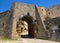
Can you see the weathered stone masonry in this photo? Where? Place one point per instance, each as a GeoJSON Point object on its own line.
{"type": "Point", "coordinates": [33, 15]}
{"type": "Point", "coordinates": [19, 10]}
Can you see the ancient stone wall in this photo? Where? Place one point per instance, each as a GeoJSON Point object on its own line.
{"type": "Point", "coordinates": [53, 14]}
{"type": "Point", "coordinates": [9, 19]}
{"type": "Point", "coordinates": [42, 12]}
{"type": "Point", "coordinates": [53, 11]}
{"type": "Point", "coordinates": [20, 10]}
{"type": "Point", "coordinates": [5, 25]}
{"type": "Point", "coordinates": [42, 33]}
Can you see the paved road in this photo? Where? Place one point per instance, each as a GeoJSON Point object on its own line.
{"type": "Point", "coordinates": [28, 41]}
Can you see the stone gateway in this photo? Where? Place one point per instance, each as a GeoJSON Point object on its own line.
{"type": "Point", "coordinates": [12, 21]}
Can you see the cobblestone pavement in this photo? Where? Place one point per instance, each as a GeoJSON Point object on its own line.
{"type": "Point", "coordinates": [28, 41]}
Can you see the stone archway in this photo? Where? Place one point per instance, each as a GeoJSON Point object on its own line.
{"type": "Point", "coordinates": [29, 20]}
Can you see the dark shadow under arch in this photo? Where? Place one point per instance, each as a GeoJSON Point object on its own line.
{"type": "Point", "coordinates": [29, 20]}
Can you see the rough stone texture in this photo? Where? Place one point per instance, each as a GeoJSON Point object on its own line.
{"type": "Point", "coordinates": [42, 33]}
{"type": "Point", "coordinates": [53, 11]}
{"type": "Point", "coordinates": [20, 10]}
{"type": "Point", "coordinates": [37, 16]}
{"type": "Point", "coordinates": [5, 24]}
{"type": "Point", "coordinates": [9, 19]}
{"type": "Point", "coordinates": [42, 12]}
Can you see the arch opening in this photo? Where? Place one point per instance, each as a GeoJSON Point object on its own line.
{"type": "Point", "coordinates": [29, 20]}
{"type": "Point", "coordinates": [26, 21]}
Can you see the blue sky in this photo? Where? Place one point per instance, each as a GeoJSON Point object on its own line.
{"type": "Point", "coordinates": [6, 4]}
